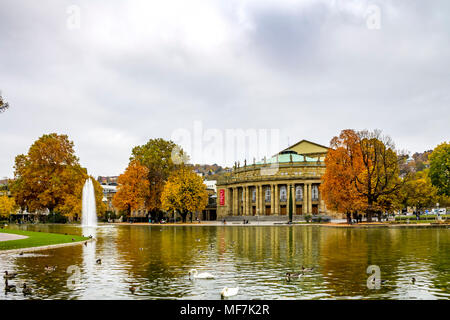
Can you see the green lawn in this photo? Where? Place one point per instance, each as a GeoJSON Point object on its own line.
{"type": "Point", "coordinates": [36, 239]}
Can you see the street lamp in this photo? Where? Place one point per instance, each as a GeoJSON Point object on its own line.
{"type": "Point", "coordinates": [290, 204]}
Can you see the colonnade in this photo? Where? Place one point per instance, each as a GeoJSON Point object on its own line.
{"type": "Point", "coordinates": [270, 199]}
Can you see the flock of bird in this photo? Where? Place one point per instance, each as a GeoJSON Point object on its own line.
{"type": "Point", "coordinates": [297, 275]}
{"type": "Point", "coordinates": [226, 292]}
{"type": "Point", "coordinates": [12, 288]}
{"type": "Point", "coordinates": [193, 274]}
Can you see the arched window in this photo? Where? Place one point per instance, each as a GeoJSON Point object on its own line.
{"type": "Point", "coordinates": [315, 193]}
{"type": "Point", "coordinates": [283, 194]}
{"type": "Point", "coordinates": [299, 193]}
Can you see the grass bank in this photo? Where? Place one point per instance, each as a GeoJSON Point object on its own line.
{"type": "Point", "coordinates": [36, 239]}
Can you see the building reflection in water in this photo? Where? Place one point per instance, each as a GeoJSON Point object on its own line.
{"type": "Point", "coordinates": [157, 259]}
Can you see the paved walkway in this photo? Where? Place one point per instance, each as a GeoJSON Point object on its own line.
{"type": "Point", "coordinates": [9, 236]}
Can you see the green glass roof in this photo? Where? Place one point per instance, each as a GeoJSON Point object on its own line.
{"type": "Point", "coordinates": [286, 158]}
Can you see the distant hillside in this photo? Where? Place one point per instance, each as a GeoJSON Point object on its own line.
{"type": "Point", "coordinates": [417, 162]}
{"type": "Point", "coordinates": [209, 171]}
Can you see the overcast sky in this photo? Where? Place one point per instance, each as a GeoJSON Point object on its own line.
{"type": "Point", "coordinates": [135, 70]}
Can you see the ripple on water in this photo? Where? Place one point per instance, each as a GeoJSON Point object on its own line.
{"type": "Point", "coordinates": [253, 258]}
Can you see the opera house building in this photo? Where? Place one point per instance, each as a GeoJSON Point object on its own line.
{"type": "Point", "coordinates": [262, 188]}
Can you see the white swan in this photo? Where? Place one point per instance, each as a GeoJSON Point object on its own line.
{"type": "Point", "coordinates": [203, 275]}
{"type": "Point", "coordinates": [228, 292]}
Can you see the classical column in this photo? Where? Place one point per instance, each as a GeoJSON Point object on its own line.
{"type": "Point", "coordinates": [240, 201]}
{"type": "Point", "coordinates": [244, 196]}
{"type": "Point", "coordinates": [262, 202]}
{"type": "Point", "coordinates": [294, 200]}
{"type": "Point", "coordinates": [272, 199]}
{"type": "Point", "coordinates": [287, 198]}
{"type": "Point", "coordinates": [260, 206]}
{"type": "Point", "coordinates": [277, 200]}
{"type": "Point", "coordinates": [305, 199]}
{"type": "Point", "coordinates": [232, 201]}
{"type": "Point", "coordinates": [235, 198]}
{"type": "Point", "coordinates": [257, 199]}
{"type": "Point", "coordinates": [247, 201]}
{"type": "Point", "coordinates": [309, 197]}
{"type": "Point", "coordinates": [244, 200]}
{"type": "Point", "coordinates": [229, 201]}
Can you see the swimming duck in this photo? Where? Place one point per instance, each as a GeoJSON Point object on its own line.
{"type": "Point", "coordinates": [413, 280]}
{"type": "Point", "coordinates": [9, 287]}
{"type": "Point", "coordinates": [307, 269]}
{"type": "Point", "coordinates": [203, 275]}
{"type": "Point", "coordinates": [228, 292]}
{"type": "Point", "coordinates": [26, 290]}
{"type": "Point", "coordinates": [293, 275]}
{"type": "Point", "coordinates": [382, 281]}
{"type": "Point", "coordinates": [9, 275]}
{"type": "Point", "coordinates": [133, 289]}
{"type": "Point", "coordinates": [98, 261]}
{"type": "Point", "coordinates": [49, 268]}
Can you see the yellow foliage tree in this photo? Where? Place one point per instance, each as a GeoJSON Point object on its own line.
{"type": "Point", "coordinates": [419, 191]}
{"type": "Point", "coordinates": [132, 189]}
{"type": "Point", "coordinates": [184, 192]}
{"type": "Point", "coordinates": [7, 206]}
{"type": "Point", "coordinates": [72, 206]}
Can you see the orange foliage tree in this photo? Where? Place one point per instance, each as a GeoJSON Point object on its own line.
{"type": "Point", "coordinates": [362, 173]}
{"type": "Point", "coordinates": [132, 189]}
{"type": "Point", "coordinates": [50, 177]}
{"type": "Point", "coordinates": [184, 192]}
{"type": "Point", "coordinates": [338, 188]}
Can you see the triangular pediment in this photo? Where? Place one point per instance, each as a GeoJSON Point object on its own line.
{"type": "Point", "coordinates": [307, 147]}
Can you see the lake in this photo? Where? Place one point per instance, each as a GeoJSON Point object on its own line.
{"type": "Point", "coordinates": [156, 259]}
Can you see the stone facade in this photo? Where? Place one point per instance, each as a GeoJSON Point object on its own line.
{"type": "Point", "coordinates": [262, 188]}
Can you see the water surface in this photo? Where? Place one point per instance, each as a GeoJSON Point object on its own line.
{"type": "Point", "coordinates": [156, 259]}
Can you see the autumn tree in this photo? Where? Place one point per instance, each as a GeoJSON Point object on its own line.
{"type": "Point", "coordinates": [440, 168]}
{"type": "Point", "coordinates": [7, 206]}
{"type": "Point", "coordinates": [133, 188]}
{"type": "Point", "coordinates": [72, 206]}
{"type": "Point", "coordinates": [419, 191]}
{"type": "Point", "coordinates": [161, 158]}
{"type": "Point", "coordinates": [379, 177]}
{"type": "Point", "coordinates": [50, 177]}
{"type": "Point", "coordinates": [184, 192]}
{"type": "Point", "coordinates": [3, 104]}
{"type": "Point", "coordinates": [367, 165]}
{"type": "Point", "coordinates": [338, 188]}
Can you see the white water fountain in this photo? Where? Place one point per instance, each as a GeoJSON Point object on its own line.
{"type": "Point", "coordinates": [89, 211]}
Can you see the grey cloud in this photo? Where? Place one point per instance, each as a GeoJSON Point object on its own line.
{"type": "Point", "coordinates": [309, 69]}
